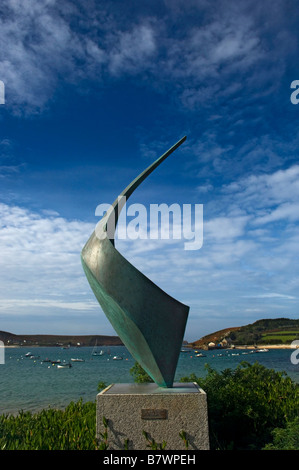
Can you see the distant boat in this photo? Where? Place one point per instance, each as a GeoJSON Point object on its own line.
{"type": "Point", "coordinates": [200, 355]}
{"type": "Point", "coordinates": [98, 353]}
{"type": "Point", "coordinates": [64, 366]}
{"type": "Point", "coordinates": [262, 350]}
{"type": "Point", "coordinates": [29, 354]}
{"type": "Point", "coordinates": [52, 362]}
{"type": "Point", "coordinates": [95, 352]}
{"type": "Point", "coordinates": [117, 358]}
{"type": "Point", "coordinates": [77, 360]}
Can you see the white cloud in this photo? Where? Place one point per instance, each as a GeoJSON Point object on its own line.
{"type": "Point", "coordinates": [40, 258]}
{"type": "Point", "coordinates": [19, 304]}
{"type": "Point", "coordinates": [273, 295]}
{"type": "Point", "coordinates": [49, 43]}
{"type": "Point", "coordinates": [221, 228]}
{"type": "Point", "coordinates": [132, 50]}
{"type": "Point", "coordinates": [205, 188]}
{"type": "Point", "coordinates": [44, 45]}
{"type": "Point", "coordinates": [259, 192]}
{"type": "Point", "coordinates": [289, 211]}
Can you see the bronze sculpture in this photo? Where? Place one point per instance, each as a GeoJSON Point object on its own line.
{"type": "Point", "coordinates": [150, 323]}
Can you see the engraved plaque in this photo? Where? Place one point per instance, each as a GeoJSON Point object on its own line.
{"type": "Point", "coordinates": [154, 414]}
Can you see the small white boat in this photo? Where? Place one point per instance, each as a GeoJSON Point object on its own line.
{"type": "Point", "coordinates": [77, 359]}
{"type": "Point", "coordinates": [29, 354]}
{"type": "Point", "coordinates": [117, 358]}
{"type": "Point", "coordinates": [262, 350]}
{"type": "Point", "coordinates": [200, 355]}
{"type": "Point", "coordinates": [98, 353]}
{"type": "Point", "coordinates": [95, 352]}
{"type": "Point", "coordinates": [64, 366]}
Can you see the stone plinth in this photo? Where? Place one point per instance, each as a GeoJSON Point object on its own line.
{"type": "Point", "coordinates": [162, 413]}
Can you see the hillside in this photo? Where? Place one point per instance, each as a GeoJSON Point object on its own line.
{"type": "Point", "coordinates": [266, 331]}
{"type": "Point", "coordinates": [217, 337]}
{"type": "Point", "coordinates": [11, 339]}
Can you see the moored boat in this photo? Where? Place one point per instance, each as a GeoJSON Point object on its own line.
{"type": "Point", "coordinates": [64, 366]}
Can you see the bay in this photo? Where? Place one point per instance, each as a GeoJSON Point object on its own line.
{"type": "Point", "coordinates": [29, 384]}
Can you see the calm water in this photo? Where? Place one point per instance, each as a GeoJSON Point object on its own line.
{"type": "Point", "coordinates": [30, 384]}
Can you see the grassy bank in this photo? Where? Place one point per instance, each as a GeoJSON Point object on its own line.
{"type": "Point", "coordinates": [71, 429]}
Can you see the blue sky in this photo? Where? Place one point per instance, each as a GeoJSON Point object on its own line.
{"type": "Point", "coordinates": [94, 92]}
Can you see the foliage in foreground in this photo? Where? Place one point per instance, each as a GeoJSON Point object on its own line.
{"type": "Point", "coordinates": [248, 408]}
{"type": "Point", "coordinates": [246, 404]}
{"type": "Point", "coordinates": [139, 374]}
{"type": "Point", "coordinates": [287, 438]}
{"type": "Point", "coordinates": [71, 429]}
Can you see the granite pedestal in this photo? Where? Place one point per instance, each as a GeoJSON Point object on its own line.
{"type": "Point", "coordinates": [162, 413]}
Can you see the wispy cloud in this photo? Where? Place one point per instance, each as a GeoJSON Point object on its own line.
{"type": "Point", "coordinates": [9, 166]}
{"type": "Point", "coordinates": [270, 198]}
{"type": "Point", "coordinates": [272, 295]}
{"type": "Point", "coordinates": [132, 50]}
{"type": "Point", "coordinates": [41, 260]}
{"type": "Point", "coordinates": [49, 43]}
{"type": "Point", "coordinates": [41, 304]}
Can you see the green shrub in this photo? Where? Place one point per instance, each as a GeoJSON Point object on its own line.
{"type": "Point", "coordinates": [246, 404]}
{"type": "Point", "coordinates": [139, 374]}
{"type": "Point", "coordinates": [285, 438]}
{"type": "Point", "coordinates": [101, 386]}
{"type": "Point", "coordinates": [71, 429]}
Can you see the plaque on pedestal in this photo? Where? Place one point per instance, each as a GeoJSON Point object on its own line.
{"type": "Point", "coordinates": [131, 410]}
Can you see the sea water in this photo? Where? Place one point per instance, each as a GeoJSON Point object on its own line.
{"type": "Point", "coordinates": [29, 384]}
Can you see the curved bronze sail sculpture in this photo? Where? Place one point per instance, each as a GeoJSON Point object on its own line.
{"type": "Point", "coordinates": [150, 323]}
